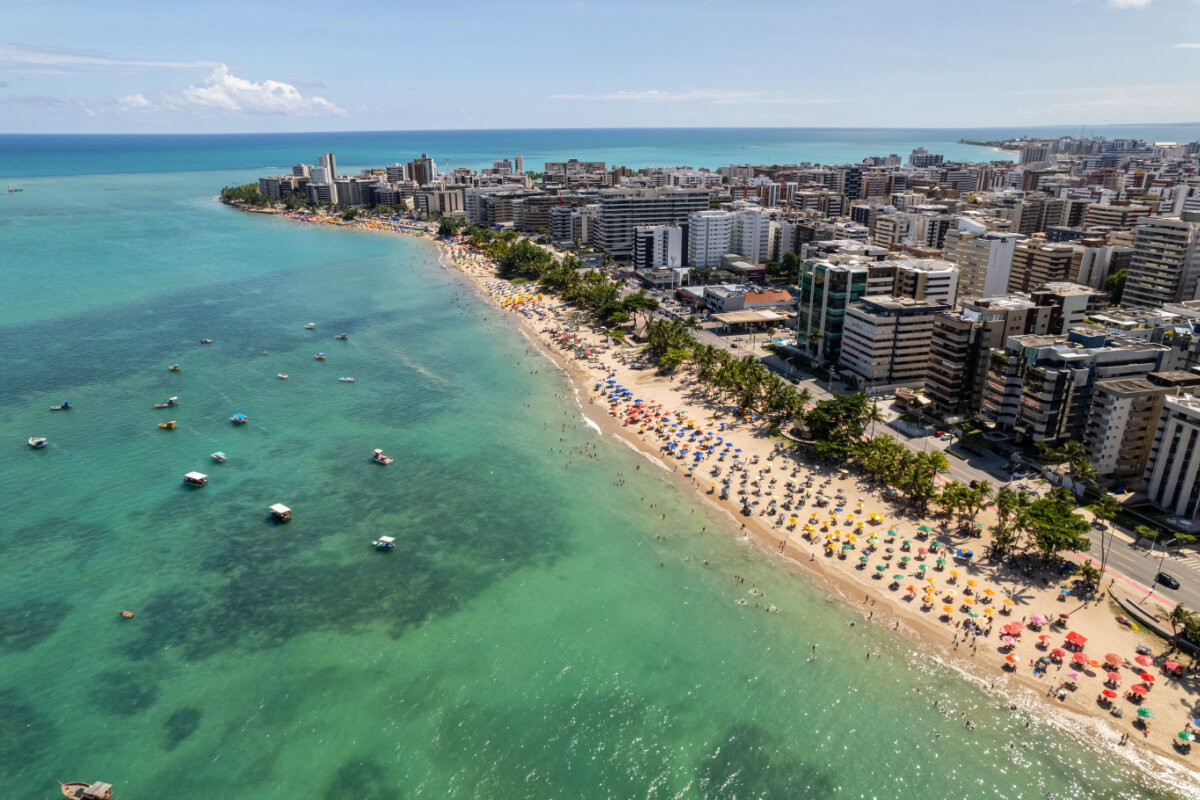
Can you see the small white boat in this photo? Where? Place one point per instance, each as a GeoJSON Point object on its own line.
{"type": "Point", "coordinates": [379, 458]}
{"type": "Point", "coordinates": [343, 337]}
{"type": "Point", "coordinates": [219, 457]}
{"type": "Point", "coordinates": [384, 543]}
{"type": "Point", "coordinates": [281, 512]}
{"type": "Point", "coordinates": [38, 442]}
{"type": "Point", "coordinates": [310, 326]}
{"type": "Point", "coordinates": [282, 376]}
{"type": "Point", "coordinates": [239, 419]}
{"type": "Point", "coordinates": [195, 479]}
{"type": "Point", "coordinates": [346, 380]}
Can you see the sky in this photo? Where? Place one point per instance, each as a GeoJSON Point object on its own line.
{"type": "Point", "coordinates": [101, 66]}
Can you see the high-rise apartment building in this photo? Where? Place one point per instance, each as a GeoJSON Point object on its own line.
{"type": "Point", "coordinates": [984, 259]}
{"type": "Point", "coordinates": [750, 236]}
{"type": "Point", "coordinates": [423, 170]}
{"type": "Point", "coordinates": [1034, 153]}
{"type": "Point", "coordinates": [1036, 262]}
{"type": "Point", "coordinates": [1165, 263]}
{"type": "Point", "coordinates": [622, 210]}
{"type": "Point", "coordinates": [885, 340]}
{"type": "Point", "coordinates": [710, 234]}
{"type": "Point", "coordinates": [658, 247]}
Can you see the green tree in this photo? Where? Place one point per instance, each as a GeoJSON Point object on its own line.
{"type": "Point", "coordinates": [1115, 286]}
{"type": "Point", "coordinates": [1054, 527]}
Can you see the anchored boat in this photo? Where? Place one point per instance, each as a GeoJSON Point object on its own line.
{"type": "Point", "coordinates": [219, 457]}
{"type": "Point", "coordinates": [195, 479]}
{"type": "Point", "coordinates": [63, 406]}
{"type": "Point", "coordinates": [173, 368]}
{"type": "Point", "coordinates": [78, 790]}
{"type": "Point", "coordinates": [171, 401]}
{"type": "Point", "coordinates": [346, 380]}
{"type": "Point", "coordinates": [281, 513]}
{"type": "Point", "coordinates": [206, 341]}
{"type": "Point", "coordinates": [379, 458]}
{"type": "Point", "coordinates": [38, 442]}
{"type": "Point", "coordinates": [319, 356]}
{"type": "Point", "coordinates": [282, 376]}
{"type": "Point", "coordinates": [384, 543]}
{"type": "Point", "coordinates": [342, 336]}
{"type": "Point", "coordinates": [239, 419]}
{"type": "Point", "coordinates": [169, 425]}
{"type": "Point", "coordinates": [310, 326]}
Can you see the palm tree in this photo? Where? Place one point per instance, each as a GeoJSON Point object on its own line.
{"type": "Point", "coordinates": [1179, 618]}
{"type": "Point", "coordinates": [979, 498]}
{"type": "Point", "coordinates": [872, 414]}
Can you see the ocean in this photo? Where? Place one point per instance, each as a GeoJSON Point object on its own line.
{"type": "Point", "coordinates": [540, 631]}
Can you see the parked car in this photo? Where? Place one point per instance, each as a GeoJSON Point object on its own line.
{"type": "Point", "coordinates": [1166, 580]}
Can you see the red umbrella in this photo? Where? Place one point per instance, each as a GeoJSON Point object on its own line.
{"type": "Point", "coordinates": [1076, 639]}
{"type": "Point", "coordinates": [1147, 677]}
{"type": "Point", "coordinates": [1145, 661]}
{"type": "Point", "coordinates": [1013, 628]}
{"type": "Point", "coordinates": [1058, 653]}
{"type": "Point", "coordinates": [1115, 677]}
{"type": "Point", "coordinates": [1114, 659]}
{"type": "Point", "coordinates": [1109, 693]}
{"type": "Point", "coordinates": [1010, 658]}
{"type": "Point", "coordinates": [1172, 666]}
{"type": "Point", "coordinates": [1019, 626]}
{"type": "Point", "coordinates": [1079, 658]}
{"type": "Point", "coordinates": [1138, 689]}
{"type": "Point", "coordinates": [1045, 637]}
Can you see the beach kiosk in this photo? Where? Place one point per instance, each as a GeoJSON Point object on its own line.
{"type": "Point", "coordinates": [281, 513]}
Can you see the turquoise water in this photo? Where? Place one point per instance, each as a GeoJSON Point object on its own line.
{"type": "Point", "coordinates": [23, 155]}
{"type": "Point", "coordinates": [540, 631]}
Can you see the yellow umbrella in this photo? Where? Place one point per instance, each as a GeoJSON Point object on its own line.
{"type": "Point", "coordinates": [988, 592]}
{"type": "Point", "coordinates": [989, 611]}
{"type": "Point", "coordinates": [849, 516]}
{"type": "Point", "coordinates": [931, 580]}
{"type": "Point", "coordinates": [972, 582]}
{"type": "Point", "coordinates": [953, 573]}
{"type": "Point", "coordinates": [859, 523]}
{"type": "Point", "coordinates": [1007, 602]}
{"type": "Point", "coordinates": [967, 601]}
{"type": "Point", "coordinates": [850, 537]}
{"type": "Point", "coordinates": [948, 609]}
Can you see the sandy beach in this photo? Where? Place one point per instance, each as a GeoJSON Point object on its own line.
{"type": "Point", "coordinates": [867, 553]}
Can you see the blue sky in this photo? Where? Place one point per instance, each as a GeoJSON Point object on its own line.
{"type": "Point", "coordinates": [219, 66]}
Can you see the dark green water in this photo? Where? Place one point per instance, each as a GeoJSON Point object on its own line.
{"type": "Point", "coordinates": [531, 637]}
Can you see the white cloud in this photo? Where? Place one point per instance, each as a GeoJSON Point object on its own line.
{"type": "Point", "coordinates": [1129, 3]}
{"type": "Point", "coordinates": [1188, 46]}
{"type": "Point", "coordinates": [133, 102]}
{"type": "Point", "coordinates": [224, 91]}
{"type": "Point", "coordinates": [27, 58]}
{"type": "Point", "coordinates": [713, 96]}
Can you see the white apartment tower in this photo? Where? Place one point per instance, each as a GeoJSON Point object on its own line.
{"type": "Point", "coordinates": [1165, 263]}
{"type": "Point", "coordinates": [709, 236]}
{"type": "Point", "coordinates": [984, 259]}
{"type": "Point", "coordinates": [751, 234]}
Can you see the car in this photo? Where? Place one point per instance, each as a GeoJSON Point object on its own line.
{"type": "Point", "coordinates": [1166, 580]}
{"type": "Point", "coordinates": [946, 436]}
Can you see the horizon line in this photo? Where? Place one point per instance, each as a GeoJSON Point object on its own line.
{"type": "Point", "coordinates": [614, 128]}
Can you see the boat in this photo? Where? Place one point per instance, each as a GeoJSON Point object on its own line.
{"type": "Point", "coordinates": [219, 457]}
{"type": "Point", "coordinates": [281, 513]}
{"type": "Point", "coordinates": [282, 376]}
{"type": "Point", "coordinates": [195, 479]}
{"type": "Point", "coordinates": [126, 614]}
{"type": "Point", "coordinates": [342, 336]}
{"type": "Point", "coordinates": [346, 380]}
{"type": "Point", "coordinates": [169, 425]}
{"type": "Point", "coordinates": [173, 368]}
{"type": "Point", "coordinates": [206, 341]}
{"type": "Point", "coordinates": [63, 406]}
{"type": "Point", "coordinates": [171, 401]}
{"type": "Point", "coordinates": [11, 190]}
{"type": "Point", "coordinates": [379, 458]}
{"type": "Point", "coordinates": [319, 356]}
{"type": "Point", "coordinates": [384, 543]}
{"type": "Point", "coordinates": [38, 442]}
{"type": "Point", "coordinates": [239, 419]}
{"type": "Point", "coordinates": [78, 790]}
{"type": "Point", "coordinates": [310, 326]}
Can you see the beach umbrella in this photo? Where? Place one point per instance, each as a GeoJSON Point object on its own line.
{"type": "Point", "coordinates": [1075, 639]}
{"type": "Point", "coordinates": [906, 559]}
{"type": "Point", "coordinates": [1146, 677]}
{"type": "Point", "coordinates": [906, 543]}
{"type": "Point", "coordinates": [1058, 652]}
{"type": "Point", "coordinates": [1109, 693]}
{"type": "Point", "coordinates": [1045, 637]}
{"type": "Point", "coordinates": [1145, 713]}
{"type": "Point", "coordinates": [1138, 689]}
{"type": "Point", "coordinates": [1186, 736]}
{"type": "Point", "coordinates": [924, 529]}
{"type": "Point", "coordinates": [1079, 658]}
{"type": "Point", "coordinates": [989, 592]}
{"type": "Point", "coordinates": [1037, 619]}
{"type": "Point", "coordinates": [878, 567]}
{"type": "Point", "coordinates": [898, 578]}
{"type": "Point", "coordinates": [948, 609]}
{"type": "Point", "coordinates": [1008, 640]}
{"type": "Point", "coordinates": [972, 615]}
{"type": "Point", "coordinates": [941, 562]}
{"type": "Point", "coordinates": [1073, 675]}
{"type": "Point", "coordinates": [910, 589]}
{"type": "Point", "coordinates": [989, 611]}
{"type": "Point", "coordinates": [953, 573]}
{"type": "Point", "coordinates": [1045, 660]}
{"type": "Point", "coordinates": [865, 559]}
{"type": "Point", "coordinates": [1114, 677]}
{"type": "Point", "coordinates": [1006, 601]}
{"type": "Point", "coordinates": [1171, 666]}
{"type": "Point", "coordinates": [972, 582]}
{"type": "Point", "coordinates": [1145, 661]}
{"type": "Point", "coordinates": [1011, 658]}
{"type": "Point", "coordinates": [923, 567]}
{"type": "Point", "coordinates": [931, 580]}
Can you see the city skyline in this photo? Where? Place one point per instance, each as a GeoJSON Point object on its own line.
{"type": "Point", "coordinates": [221, 67]}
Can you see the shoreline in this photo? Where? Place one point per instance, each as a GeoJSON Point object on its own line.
{"type": "Point", "coordinates": [840, 582]}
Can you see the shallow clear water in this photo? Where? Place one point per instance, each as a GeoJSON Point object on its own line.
{"type": "Point", "coordinates": [533, 636]}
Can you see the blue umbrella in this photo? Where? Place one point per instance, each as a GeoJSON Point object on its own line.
{"type": "Point", "coordinates": [738, 450]}
{"type": "Point", "coordinates": [838, 510]}
{"type": "Point", "coordinates": [1196, 722]}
